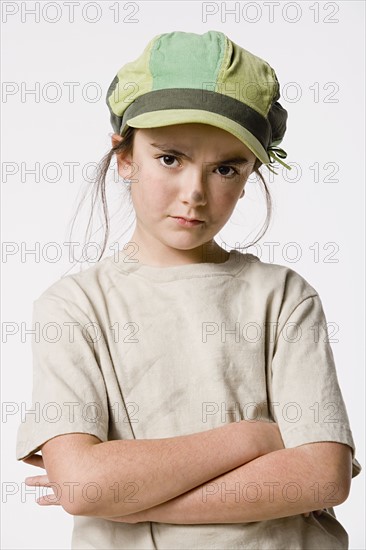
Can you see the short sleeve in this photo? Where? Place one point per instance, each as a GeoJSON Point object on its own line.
{"type": "Point", "coordinates": [69, 393]}
{"type": "Point", "coordinates": [307, 401]}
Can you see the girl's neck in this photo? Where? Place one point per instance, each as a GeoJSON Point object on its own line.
{"type": "Point", "coordinates": [164, 256]}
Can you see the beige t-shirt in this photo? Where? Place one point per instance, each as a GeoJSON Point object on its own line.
{"type": "Point", "coordinates": [126, 350]}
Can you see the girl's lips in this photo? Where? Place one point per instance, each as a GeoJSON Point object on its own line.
{"type": "Point", "coordinates": [187, 223]}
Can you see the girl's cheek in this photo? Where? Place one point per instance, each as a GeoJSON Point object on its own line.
{"type": "Point", "coordinates": [225, 198]}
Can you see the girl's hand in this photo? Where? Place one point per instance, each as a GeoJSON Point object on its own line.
{"type": "Point", "coordinates": [317, 512]}
{"type": "Point", "coordinates": [34, 460]}
{"type": "Point", "coordinates": [40, 481]}
{"type": "Point", "coordinates": [51, 500]}
{"type": "Point", "coordinates": [137, 517]}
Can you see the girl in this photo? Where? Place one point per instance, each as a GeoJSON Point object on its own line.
{"type": "Point", "coordinates": [186, 377]}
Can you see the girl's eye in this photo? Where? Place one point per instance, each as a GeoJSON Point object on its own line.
{"type": "Point", "coordinates": [167, 160]}
{"type": "Point", "coordinates": [235, 172]}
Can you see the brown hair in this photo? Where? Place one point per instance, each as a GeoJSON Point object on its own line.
{"type": "Point", "coordinates": [99, 188]}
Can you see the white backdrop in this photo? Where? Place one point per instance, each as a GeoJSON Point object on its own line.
{"type": "Point", "coordinates": [68, 54]}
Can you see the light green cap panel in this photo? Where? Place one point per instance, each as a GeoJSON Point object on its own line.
{"type": "Point", "coordinates": [257, 86]}
{"type": "Point", "coordinates": [198, 57]}
{"type": "Point", "coordinates": [134, 79]}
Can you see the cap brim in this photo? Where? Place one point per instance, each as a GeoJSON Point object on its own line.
{"type": "Point", "coordinates": [168, 117]}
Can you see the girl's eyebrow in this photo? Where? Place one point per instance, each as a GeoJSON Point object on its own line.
{"type": "Point", "coordinates": [166, 149]}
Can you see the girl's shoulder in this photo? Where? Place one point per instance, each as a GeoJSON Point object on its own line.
{"type": "Point", "coordinates": [276, 278]}
{"type": "Point", "coordinates": [77, 290]}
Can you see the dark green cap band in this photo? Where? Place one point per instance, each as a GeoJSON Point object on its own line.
{"type": "Point", "coordinates": [187, 98]}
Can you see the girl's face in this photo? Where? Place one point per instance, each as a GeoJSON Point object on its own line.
{"type": "Point", "coordinates": [193, 171]}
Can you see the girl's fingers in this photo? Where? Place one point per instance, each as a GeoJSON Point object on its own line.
{"type": "Point", "coordinates": [317, 512]}
{"type": "Point", "coordinates": [43, 481]}
{"type": "Point", "coordinates": [34, 460]}
{"type": "Point", "coordinates": [122, 519]}
{"type": "Point", "coordinates": [38, 480]}
{"type": "Point", "coordinates": [48, 500]}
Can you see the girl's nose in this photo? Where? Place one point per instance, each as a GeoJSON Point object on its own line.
{"type": "Point", "coordinates": [196, 196]}
{"type": "Point", "coordinates": [193, 188]}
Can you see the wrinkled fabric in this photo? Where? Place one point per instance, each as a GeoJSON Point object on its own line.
{"type": "Point", "coordinates": [130, 351]}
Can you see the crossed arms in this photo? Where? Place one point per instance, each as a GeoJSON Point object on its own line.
{"type": "Point", "coordinates": [237, 473]}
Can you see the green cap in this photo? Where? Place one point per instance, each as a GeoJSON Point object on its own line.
{"type": "Point", "coordinates": [183, 77]}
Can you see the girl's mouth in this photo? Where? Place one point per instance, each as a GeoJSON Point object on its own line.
{"type": "Point", "coordinates": [188, 223]}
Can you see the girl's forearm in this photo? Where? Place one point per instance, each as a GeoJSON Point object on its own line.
{"type": "Point", "coordinates": [136, 475]}
{"type": "Point", "coordinates": [280, 484]}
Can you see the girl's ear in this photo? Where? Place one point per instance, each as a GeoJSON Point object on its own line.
{"type": "Point", "coordinates": [116, 139]}
{"type": "Point", "coordinates": [124, 161]}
